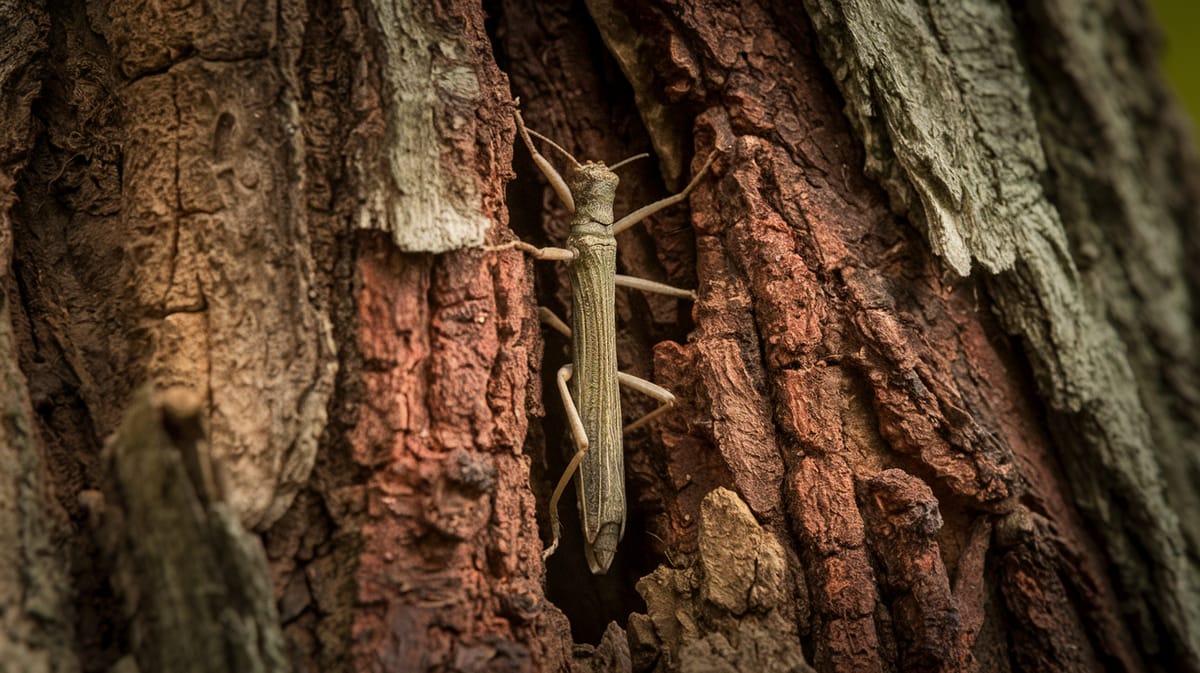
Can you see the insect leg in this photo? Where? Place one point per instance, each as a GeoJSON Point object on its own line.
{"type": "Point", "coordinates": [551, 253]}
{"type": "Point", "coordinates": [581, 446]}
{"type": "Point", "coordinates": [645, 387]}
{"type": "Point", "coordinates": [556, 323]}
{"type": "Point", "coordinates": [556, 180]}
{"type": "Point", "coordinates": [628, 380]}
{"type": "Point", "coordinates": [646, 211]}
{"type": "Point", "coordinates": [653, 286]}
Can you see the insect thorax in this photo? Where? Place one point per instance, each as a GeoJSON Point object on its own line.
{"type": "Point", "coordinates": [593, 187]}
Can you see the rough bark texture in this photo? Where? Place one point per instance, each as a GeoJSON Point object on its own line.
{"type": "Point", "coordinates": [35, 623]}
{"type": "Point", "coordinates": [731, 610]}
{"type": "Point", "coordinates": [830, 347]}
{"type": "Point", "coordinates": [413, 183]}
{"type": "Point", "coordinates": [275, 204]}
{"type": "Point", "coordinates": [194, 584]}
{"type": "Point", "coordinates": [1042, 144]}
{"type": "Point", "coordinates": [165, 182]}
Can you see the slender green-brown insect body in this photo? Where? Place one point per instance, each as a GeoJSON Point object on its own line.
{"type": "Point", "coordinates": [600, 484]}
{"type": "Point", "coordinates": [589, 385]}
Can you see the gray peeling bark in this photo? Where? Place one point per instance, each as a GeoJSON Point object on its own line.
{"type": "Point", "coordinates": [1041, 144]}
{"type": "Point", "coordinates": [275, 205]}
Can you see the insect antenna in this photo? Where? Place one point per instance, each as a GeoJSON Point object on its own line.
{"type": "Point", "coordinates": [633, 158]}
{"type": "Point", "coordinates": [553, 144]}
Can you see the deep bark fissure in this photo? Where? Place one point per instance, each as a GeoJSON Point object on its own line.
{"type": "Point", "coordinates": [314, 548]}
{"type": "Point", "coordinates": [71, 168]}
{"type": "Point", "coordinates": [590, 602]}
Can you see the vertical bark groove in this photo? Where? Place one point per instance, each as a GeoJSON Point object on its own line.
{"type": "Point", "coordinates": [36, 626]}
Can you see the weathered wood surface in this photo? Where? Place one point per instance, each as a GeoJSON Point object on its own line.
{"type": "Point", "coordinates": [429, 85]}
{"type": "Point", "coordinates": [193, 583]}
{"type": "Point", "coordinates": [732, 609]}
{"type": "Point", "coordinates": [162, 209]}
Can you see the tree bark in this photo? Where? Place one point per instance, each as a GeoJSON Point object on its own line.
{"type": "Point", "coordinates": [937, 403]}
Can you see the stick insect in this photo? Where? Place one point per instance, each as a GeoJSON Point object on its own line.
{"type": "Point", "coordinates": [592, 399]}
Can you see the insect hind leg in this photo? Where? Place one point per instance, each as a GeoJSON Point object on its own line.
{"type": "Point", "coordinates": [581, 446]}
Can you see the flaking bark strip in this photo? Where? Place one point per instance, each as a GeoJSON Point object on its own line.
{"type": "Point", "coordinates": [449, 541]}
{"type": "Point", "coordinates": [970, 581]}
{"type": "Point", "coordinates": [442, 569]}
{"type": "Point", "coordinates": [914, 391]}
{"type": "Point", "coordinates": [730, 610]}
{"type": "Point", "coordinates": [903, 519]}
{"type": "Point", "coordinates": [416, 181]}
{"type": "Point", "coordinates": [911, 97]}
{"type": "Point", "coordinates": [194, 584]}
{"type": "Point", "coordinates": [1129, 197]}
{"type": "Point", "coordinates": [842, 586]}
{"type": "Point", "coordinates": [1045, 631]}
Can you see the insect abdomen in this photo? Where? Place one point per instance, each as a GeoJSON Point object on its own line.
{"type": "Point", "coordinates": [600, 484]}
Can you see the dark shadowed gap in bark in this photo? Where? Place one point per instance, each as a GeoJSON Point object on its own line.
{"type": "Point", "coordinates": [74, 166]}
{"type": "Point", "coordinates": [574, 59]}
{"type": "Point", "coordinates": [590, 601]}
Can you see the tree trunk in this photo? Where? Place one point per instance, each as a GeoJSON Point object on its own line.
{"type": "Point", "coordinates": [937, 404]}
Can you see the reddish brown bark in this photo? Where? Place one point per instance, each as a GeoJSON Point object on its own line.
{"type": "Point", "coordinates": [432, 560]}
{"type": "Point", "coordinates": [826, 337]}
{"type": "Point", "coordinates": [893, 501]}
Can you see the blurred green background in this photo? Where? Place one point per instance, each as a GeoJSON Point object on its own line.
{"type": "Point", "coordinates": [1180, 21]}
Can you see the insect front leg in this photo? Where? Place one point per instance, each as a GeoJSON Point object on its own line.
{"type": "Point", "coordinates": [646, 211]}
{"type": "Point", "coordinates": [549, 252]}
{"type": "Point", "coordinates": [556, 181]}
{"type": "Point", "coordinates": [581, 445]}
